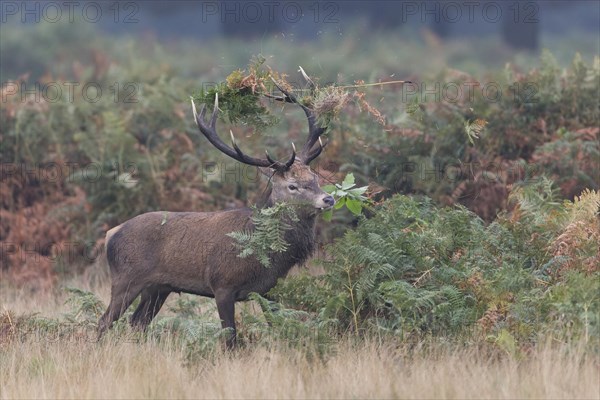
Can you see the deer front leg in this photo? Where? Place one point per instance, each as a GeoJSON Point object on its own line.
{"type": "Point", "coordinates": [225, 299]}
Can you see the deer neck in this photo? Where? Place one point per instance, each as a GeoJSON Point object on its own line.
{"type": "Point", "coordinates": [301, 234]}
{"type": "Point", "coordinates": [301, 241]}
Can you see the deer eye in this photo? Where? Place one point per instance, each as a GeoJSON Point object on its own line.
{"type": "Point", "coordinates": [293, 187]}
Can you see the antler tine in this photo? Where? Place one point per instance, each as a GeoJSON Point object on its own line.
{"type": "Point", "coordinates": [234, 144]}
{"type": "Point", "coordinates": [314, 135]}
{"type": "Point", "coordinates": [213, 118]}
{"type": "Point", "coordinates": [290, 98]}
{"type": "Point", "coordinates": [314, 131]}
{"type": "Point", "coordinates": [307, 78]}
{"type": "Point", "coordinates": [272, 161]}
{"type": "Point", "coordinates": [278, 98]}
{"type": "Point", "coordinates": [292, 158]}
{"type": "Point", "coordinates": [315, 153]}
{"type": "Point", "coordinates": [195, 112]}
{"type": "Point", "coordinates": [209, 131]}
{"type": "Point", "coordinates": [288, 163]}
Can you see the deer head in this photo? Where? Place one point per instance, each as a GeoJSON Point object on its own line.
{"type": "Point", "coordinates": [292, 181]}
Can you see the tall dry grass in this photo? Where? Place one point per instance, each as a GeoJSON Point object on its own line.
{"type": "Point", "coordinates": [149, 370]}
{"type": "Point", "coordinates": [75, 367]}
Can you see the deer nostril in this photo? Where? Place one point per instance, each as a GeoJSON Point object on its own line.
{"type": "Point", "coordinates": [329, 200]}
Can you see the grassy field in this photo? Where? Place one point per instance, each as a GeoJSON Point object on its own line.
{"type": "Point", "coordinates": [38, 365]}
{"type": "Point", "coordinates": [506, 306]}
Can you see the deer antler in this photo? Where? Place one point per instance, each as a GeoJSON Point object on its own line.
{"type": "Point", "coordinates": [236, 153]}
{"type": "Point", "coordinates": [307, 154]}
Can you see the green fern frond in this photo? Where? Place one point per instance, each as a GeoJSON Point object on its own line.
{"type": "Point", "coordinates": [268, 237]}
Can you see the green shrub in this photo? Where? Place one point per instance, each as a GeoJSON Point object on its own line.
{"type": "Point", "coordinates": [416, 270]}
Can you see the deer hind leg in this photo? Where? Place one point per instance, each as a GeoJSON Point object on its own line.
{"type": "Point", "coordinates": [121, 297]}
{"type": "Point", "coordinates": [150, 304]}
{"type": "Point", "coordinates": [226, 307]}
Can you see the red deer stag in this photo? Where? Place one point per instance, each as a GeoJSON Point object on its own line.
{"type": "Point", "coordinates": [190, 251]}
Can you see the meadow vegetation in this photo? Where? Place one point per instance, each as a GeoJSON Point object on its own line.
{"type": "Point", "coordinates": [473, 270]}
